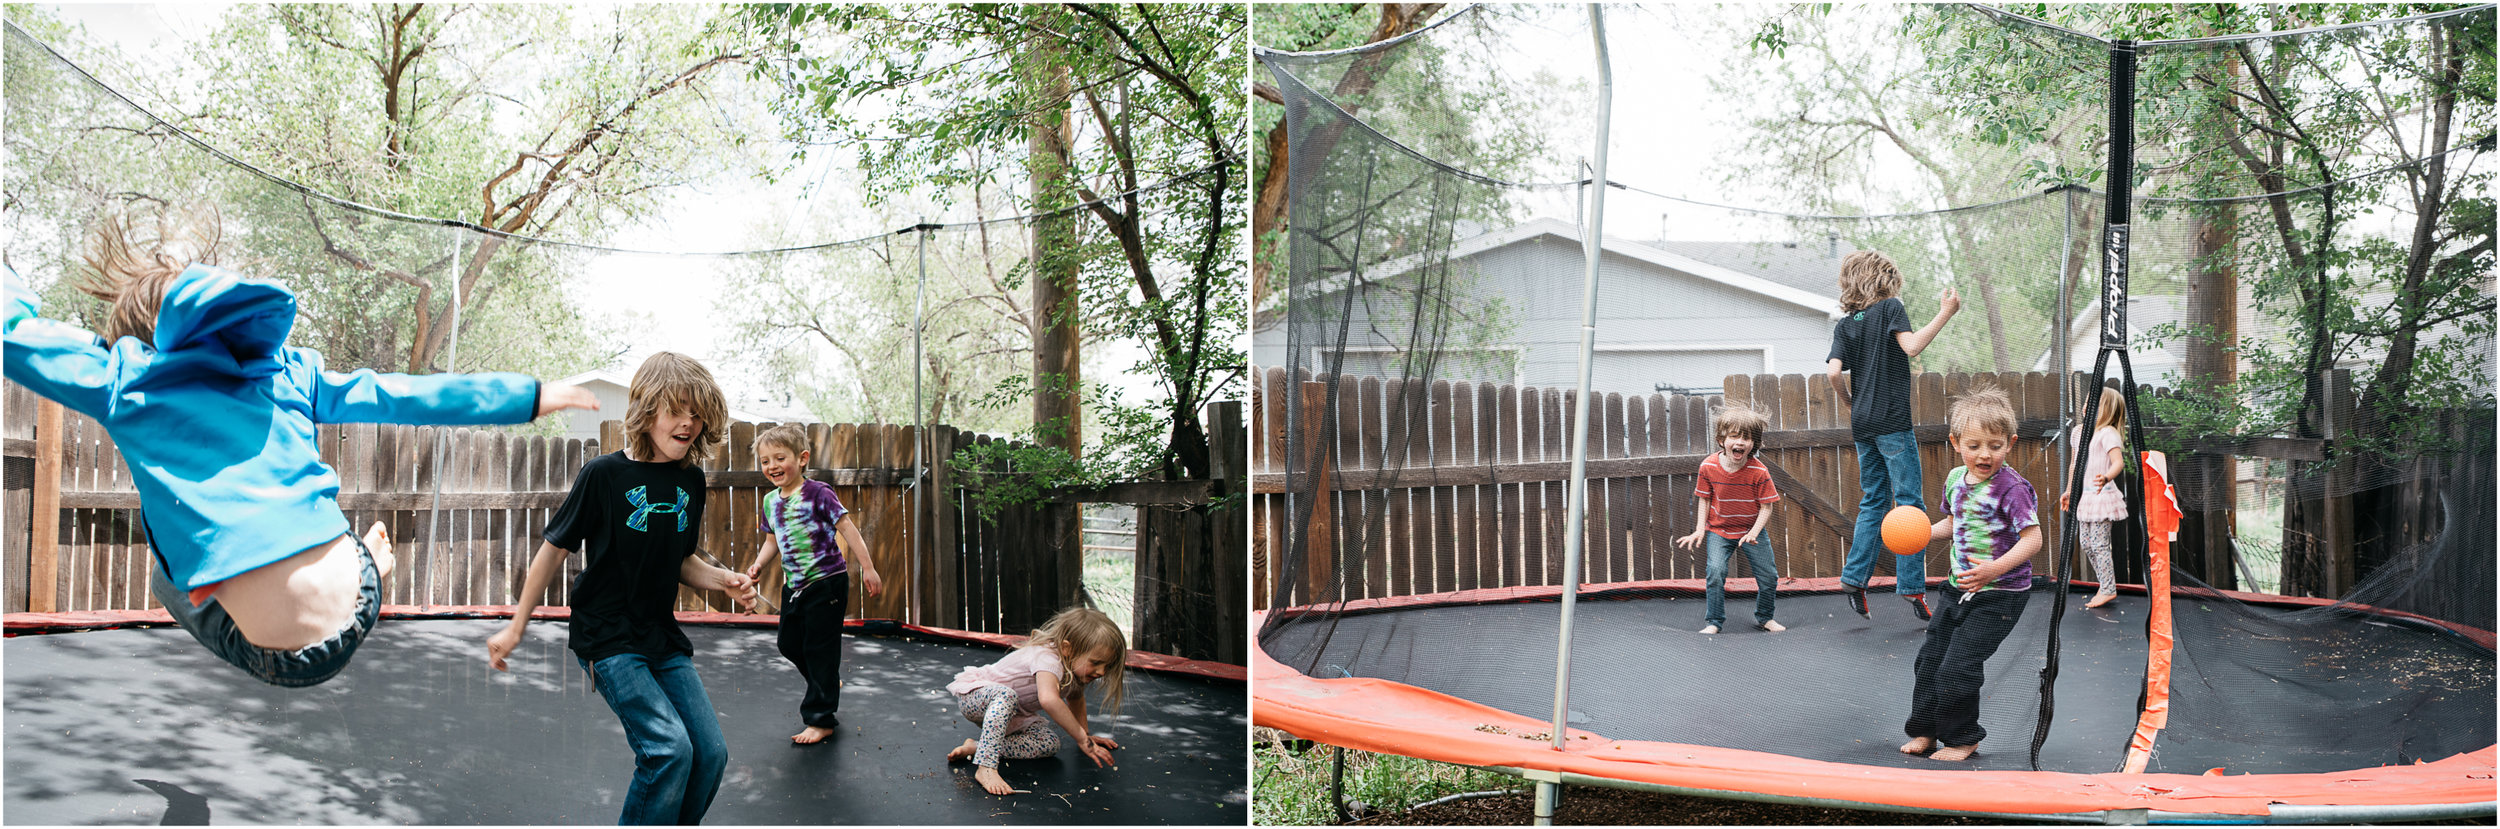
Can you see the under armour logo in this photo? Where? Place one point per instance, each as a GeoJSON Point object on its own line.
{"type": "Point", "coordinates": [643, 509]}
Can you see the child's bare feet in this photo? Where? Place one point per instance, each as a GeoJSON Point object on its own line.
{"type": "Point", "coordinates": [378, 540]}
{"type": "Point", "coordinates": [1954, 754]}
{"type": "Point", "coordinates": [812, 735]}
{"type": "Point", "coordinates": [963, 752]}
{"type": "Point", "coordinates": [1919, 745]}
{"type": "Point", "coordinates": [989, 779]}
{"type": "Point", "coordinates": [2099, 599]}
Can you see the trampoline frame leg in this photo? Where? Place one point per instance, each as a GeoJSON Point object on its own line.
{"type": "Point", "coordinates": [1547, 793]}
{"type": "Point", "coordinates": [1336, 788]}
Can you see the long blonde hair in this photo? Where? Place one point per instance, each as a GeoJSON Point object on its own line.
{"type": "Point", "coordinates": [1078, 631]}
{"type": "Point", "coordinates": [1866, 278]}
{"type": "Point", "coordinates": [133, 262]}
{"type": "Point", "coordinates": [2113, 412]}
{"type": "Point", "coordinates": [672, 379]}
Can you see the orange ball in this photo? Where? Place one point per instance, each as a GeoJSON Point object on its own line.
{"type": "Point", "coordinates": [1906, 529]}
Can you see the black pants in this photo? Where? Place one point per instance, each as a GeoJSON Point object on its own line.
{"type": "Point", "coordinates": [1945, 702]}
{"type": "Point", "coordinates": [811, 638]}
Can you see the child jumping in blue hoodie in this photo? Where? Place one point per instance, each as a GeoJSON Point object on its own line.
{"type": "Point", "coordinates": [216, 415]}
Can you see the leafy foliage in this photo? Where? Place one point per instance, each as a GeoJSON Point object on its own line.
{"type": "Point", "coordinates": [533, 120]}
{"type": "Point", "coordinates": [923, 100]}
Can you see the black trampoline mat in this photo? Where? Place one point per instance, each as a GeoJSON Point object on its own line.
{"type": "Point", "coordinates": [143, 726]}
{"type": "Point", "coordinates": [1837, 687]}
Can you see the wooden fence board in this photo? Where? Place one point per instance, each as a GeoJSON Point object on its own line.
{"type": "Point", "coordinates": [1435, 519]}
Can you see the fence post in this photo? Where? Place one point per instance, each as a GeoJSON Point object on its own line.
{"type": "Point", "coordinates": [1320, 539]}
{"type": "Point", "coordinates": [1228, 559]}
{"type": "Point", "coordinates": [43, 552]}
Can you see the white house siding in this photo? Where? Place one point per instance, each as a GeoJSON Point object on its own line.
{"type": "Point", "coordinates": [1655, 325]}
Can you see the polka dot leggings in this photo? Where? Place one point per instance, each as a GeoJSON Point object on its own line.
{"type": "Point", "coordinates": [2094, 536]}
{"type": "Point", "coordinates": [994, 707]}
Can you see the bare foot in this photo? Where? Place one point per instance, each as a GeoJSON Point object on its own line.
{"type": "Point", "coordinates": [378, 540]}
{"type": "Point", "coordinates": [963, 752]}
{"type": "Point", "coordinates": [1920, 745]}
{"type": "Point", "coordinates": [2099, 599]}
{"type": "Point", "coordinates": [1954, 754]}
{"type": "Point", "coordinates": [989, 779]}
{"type": "Point", "coordinates": [813, 735]}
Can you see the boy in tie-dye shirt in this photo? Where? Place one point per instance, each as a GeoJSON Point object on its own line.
{"type": "Point", "coordinates": [813, 533]}
{"type": "Point", "coordinates": [1991, 515]}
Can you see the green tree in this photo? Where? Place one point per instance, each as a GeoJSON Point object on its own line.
{"type": "Point", "coordinates": [1370, 203]}
{"type": "Point", "coordinates": [543, 121]}
{"type": "Point", "coordinates": [929, 100]}
{"type": "Point", "coordinates": [859, 302]}
{"type": "Point", "coordinates": [2361, 232]}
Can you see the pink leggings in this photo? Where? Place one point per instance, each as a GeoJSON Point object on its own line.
{"type": "Point", "coordinates": [994, 707]}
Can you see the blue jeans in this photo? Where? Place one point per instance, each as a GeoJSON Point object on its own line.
{"type": "Point", "coordinates": [678, 750]}
{"type": "Point", "coordinates": [1766, 577]}
{"type": "Point", "coordinates": [287, 669]}
{"type": "Point", "coordinates": [1888, 477]}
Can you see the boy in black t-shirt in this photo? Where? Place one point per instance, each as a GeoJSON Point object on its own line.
{"type": "Point", "coordinates": [638, 514]}
{"type": "Point", "coordinates": [1874, 344]}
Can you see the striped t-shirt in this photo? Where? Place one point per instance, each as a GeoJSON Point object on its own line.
{"type": "Point", "coordinates": [805, 527]}
{"type": "Point", "coordinates": [1735, 497]}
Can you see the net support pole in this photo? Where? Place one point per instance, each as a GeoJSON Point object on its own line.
{"type": "Point", "coordinates": [2114, 297]}
{"type": "Point", "coordinates": [442, 437]}
{"type": "Point", "coordinates": [1574, 533]}
{"type": "Point", "coordinates": [920, 407]}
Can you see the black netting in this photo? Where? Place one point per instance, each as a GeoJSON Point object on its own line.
{"type": "Point", "coordinates": [2311, 348]}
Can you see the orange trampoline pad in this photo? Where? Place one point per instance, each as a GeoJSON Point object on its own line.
{"type": "Point", "coordinates": [1393, 718]}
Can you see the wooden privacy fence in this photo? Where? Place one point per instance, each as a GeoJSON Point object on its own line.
{"type": "Point", "coordinates": [941, 563]}
{"type": "Point", "coordinates": [1477, 500]}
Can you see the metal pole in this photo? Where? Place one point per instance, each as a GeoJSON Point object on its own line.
{"type": "Point", "coordinates": [919, 407]}
{"type": "Point", "coordinates": [1592, 247]}
{"type": "Point", "coordinates": [442, 437]}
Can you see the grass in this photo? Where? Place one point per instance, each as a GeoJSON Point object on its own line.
{"type": "Point", "coordinates": [1289, 787]}
{"type": "Point", "coordinates": [1110, 575]}
{"type": "Point", "coordinates": [2258, 532]}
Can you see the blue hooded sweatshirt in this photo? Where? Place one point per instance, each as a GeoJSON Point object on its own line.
{"type": "Point", "coordinates": [216, 417]}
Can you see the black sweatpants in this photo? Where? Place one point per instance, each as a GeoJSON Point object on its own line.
{"type": "Point", "coordinates": [1945, 702]}
{"type": "Point", "coordinates": [811, 638]}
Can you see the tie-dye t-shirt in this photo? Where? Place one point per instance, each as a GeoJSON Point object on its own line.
{"type": "Point", "coordinates": [804, 525]}
{"type": "Point", "coordinates": [1988, 518]}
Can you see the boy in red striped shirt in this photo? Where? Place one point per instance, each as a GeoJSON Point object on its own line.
{"type": "Point", "coordinates": [1736, 497]}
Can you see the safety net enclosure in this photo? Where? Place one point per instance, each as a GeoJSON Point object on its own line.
{"type": "Point", "coordinates": [113, 716]}
{"type": "Point", "coordinates": [2291, 289]}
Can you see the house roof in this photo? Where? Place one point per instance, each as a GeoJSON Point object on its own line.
{"type": "Point", "coordinates": [2083, 334]}
{"type": "Point", "coordinates": [1781, 289]}
{"type": "Point", "coordinates": [598, 377]}
{"type": "Point", "coordinates": [1813, 267]}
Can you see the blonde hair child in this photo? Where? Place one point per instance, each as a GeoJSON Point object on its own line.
{"type": "Point", "coordinates": [2103, 503]}
{"type": "Point", "coordinates": [1045, 677]}
{"type": "Point", "coordinates": [637, 514]}
{"type": "Point", "coordinates": [1869, 368]}
{"type": "Point", "coordinates": [810, 532]}
{"type": "Point", "coordinates": [1992, 520]}
{"type": "Point", "coordinates": [218, 418]}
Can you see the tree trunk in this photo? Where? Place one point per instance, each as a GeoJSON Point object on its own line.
{"type": "Point", "coordinates": [1267, 209]}
{"type": "Point", "coordinates": [2212, 363]}
{"type": "Point", "coordinates": [1058, 416]}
